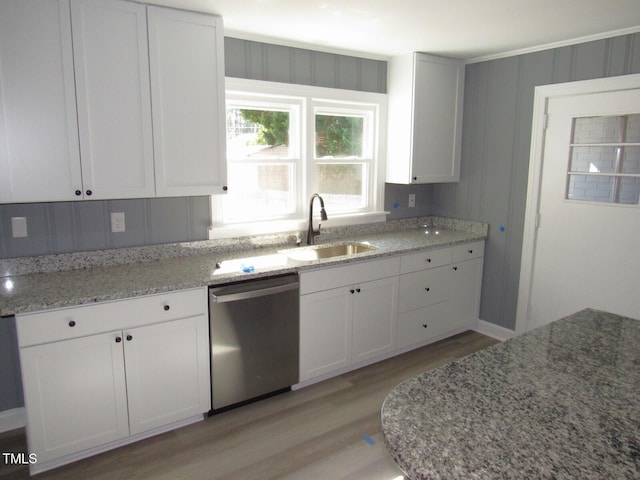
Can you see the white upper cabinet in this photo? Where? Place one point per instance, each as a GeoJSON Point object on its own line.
{"type": "Point", "coordinates": [114, 109]}
{"type": "Point", "coordinates": [79, 80]}
{"type": "Point", "coordinates": [39, 153]}
{"type": "Point", "coordinates": [187, 88]}
{"type": "Point", "coordinates": [425, 119]}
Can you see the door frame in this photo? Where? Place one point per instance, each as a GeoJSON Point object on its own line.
{"type": "Point", "coordinates": [542, 95]}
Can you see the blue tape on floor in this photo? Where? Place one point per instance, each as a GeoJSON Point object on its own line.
{"type": "Point", "coordinates": [369, 440]}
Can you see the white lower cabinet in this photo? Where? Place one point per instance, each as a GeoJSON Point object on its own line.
{"type": "Point", "coordinates": [86, 388]}
{"type": "Point", "coordinates": [366, 311]}
{"type": "Point", "coordinates": [348, 324]}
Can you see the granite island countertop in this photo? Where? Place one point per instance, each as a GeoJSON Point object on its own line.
{"type": "Point", "coordinates": [76, 279]}
{"type": "Point", "coordinates": [561, 402]}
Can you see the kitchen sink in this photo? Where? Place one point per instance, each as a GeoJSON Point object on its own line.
{"type": "Point", "coordinates": [328, 251]}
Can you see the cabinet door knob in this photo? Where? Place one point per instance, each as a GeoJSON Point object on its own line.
{"type": "Point", "coordinates": [428, 260]}
{"type": "Point", "coordinates": [424, 325]}
{"type": "Point", "coordinates": [357, 290]}
{"type": "Point", "coordinates": [470, 251]}
{"type": "Point", "coordinates": [427, 289]}
{"type": "Point", "coordinates": [166, 308]}
{"type": "Point", "coordinates": [352, 291]}
{"type": "Point", "coordinates": [78, 193]}
{"type": "Point", "coordinates": [129, 338]}
{"type": "Point", "coordinates": [118, 339]}
{"type": "Point", "coordinates": [225, 188]}
{"type": "Point", "coordinates": [72, 323]}
{"type": "Point", "coordinates": [89, 193]}
{"type": "Point", "coordinates": [455, 268]}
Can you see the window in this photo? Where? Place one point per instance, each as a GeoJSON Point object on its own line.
{"type": "Point", "coordinates": [604, 163]}
{"type": "Point", "coordinates": [286, 142]}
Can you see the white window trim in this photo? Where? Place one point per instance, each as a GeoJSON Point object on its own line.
{"type": "Point", "coordinates": [314, 95]}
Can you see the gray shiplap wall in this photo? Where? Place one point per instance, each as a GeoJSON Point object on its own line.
{"type": "Point", "coordinates": [498, 112]}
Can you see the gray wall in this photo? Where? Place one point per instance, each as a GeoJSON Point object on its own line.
{"type": "Point", "coordinates": [498, 111]}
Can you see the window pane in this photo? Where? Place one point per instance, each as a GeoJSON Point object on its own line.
{"type": "Point", "coordinates": [253, 133]}
{"type": "Point", "coordinates": [597, 129]}
{"type": "Point", "coordinates": [633, 128]}
{"type": "Point", "coordinates": [593, 159]}
{"type": "Point", "coordinates": [339, 136]}
{"type": "Point", "coordinates": [591, 188]}
{"type": "Point", "coordinates": [629, 190]}
{"type": "Point", "coordinates": [259, 191]}
{"type": "Point", "coordinates": [342, 186]}
{"type": "Point", "coordinates": [631, 160]}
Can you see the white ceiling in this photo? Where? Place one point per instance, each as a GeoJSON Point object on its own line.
{"type": "Point", "coordinates": [465, 29]}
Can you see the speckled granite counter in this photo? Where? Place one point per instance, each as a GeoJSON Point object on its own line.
{"type": "Point", "coordinates": [57, 281]}
{"type": "Point", "coordinates": [558, 402]}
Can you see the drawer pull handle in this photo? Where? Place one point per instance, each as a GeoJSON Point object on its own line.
{"type": "Point", "coordinates": [166, 308]}
{"type": "Point", "coordinates": [470, 251]}
{"type": "Point", "coordinates": [129, 338]}
{"type": "Point", "coordinates": [118, 339]}
{"type": "Point", "coordinates": [427, 289]}
{"type": "Point", "coordinates": [428, 260]}
{"type": "Point", "coordinates": [424, 325]}
{"type": "Point", "coordinates": [72, 323]}
{"type": "Point", "coordinates": [357, 290]}
{"type": "Point", "coordinates": [352, 291]}
{"type": "Point", "coordinates": [455, 268]}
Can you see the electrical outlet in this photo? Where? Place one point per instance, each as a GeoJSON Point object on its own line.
{"type": "Point", "coordinates": [19, 227]}
{"type": "Point", "coordinates": [117, 222]}
{"type": "Point", "coordinates": [412, 200]}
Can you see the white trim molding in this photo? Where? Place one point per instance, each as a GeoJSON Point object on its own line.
{"type": "Point", "coordinates": [542, 96]}
{"type": "Point", "coordinates": [494, 331]}
{"type": "Point", "coordinates": [12, 419]}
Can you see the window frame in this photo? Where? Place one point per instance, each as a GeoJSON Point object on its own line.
{"type": "Point", "coordinates": [312, 99]}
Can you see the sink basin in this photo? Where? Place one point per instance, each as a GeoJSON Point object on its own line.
{"type": "Point", "coordinates": [328, 251]}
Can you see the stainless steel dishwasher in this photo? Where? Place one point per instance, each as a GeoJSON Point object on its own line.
{"type": "Point", "coordinates": [254, 328]}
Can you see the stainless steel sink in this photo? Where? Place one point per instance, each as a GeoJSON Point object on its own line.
{"type": "Point", "coordinates": [328, 251]}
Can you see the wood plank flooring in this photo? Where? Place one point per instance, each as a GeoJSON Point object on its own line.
{"type": "Point", "coordinates": [313, 433]}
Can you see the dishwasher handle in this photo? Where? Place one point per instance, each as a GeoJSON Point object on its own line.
{"type": "Point", "coordinates": [232, 297]}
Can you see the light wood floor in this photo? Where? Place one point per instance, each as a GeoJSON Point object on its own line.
{"type": "Point", "coordinates": [313, 433]}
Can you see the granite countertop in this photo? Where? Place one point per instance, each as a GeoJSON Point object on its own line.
{"type": "Point", "coordinates": [558, 402]}
{"type": "Point", "coordinates": [67, 280]}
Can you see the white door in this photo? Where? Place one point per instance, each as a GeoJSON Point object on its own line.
{"type": "Point", "coordinates": [586, 245]}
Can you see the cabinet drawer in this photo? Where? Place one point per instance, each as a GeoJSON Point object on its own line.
{"type": "Point", "coordinates": [426, 259]}
{"type": "Point", "coordinates": [60, 324]}
{"type": "Point", "coordinates": [423, 288]}
{"type": "Point", "coordinates": [467, 251]}
{"type": "Point", "coordinates": [422, 324]}
{"type": "Point", "coordinates": [358, 272]}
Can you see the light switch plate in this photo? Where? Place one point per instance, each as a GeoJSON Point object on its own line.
{"type": "Point", "coordinates": [19, 227]}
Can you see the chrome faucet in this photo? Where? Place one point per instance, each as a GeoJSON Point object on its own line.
{"type": "Point", "coordinates": [311, 233]}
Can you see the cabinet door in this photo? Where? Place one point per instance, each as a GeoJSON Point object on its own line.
{"type": "Point", "coordinates": [114, 102]}
{"type": "Point", "coordinates": [374, 318]}
{"type": "Point", "coordinates": [167, 367]}
{"type": "Point", "coordinates": [437, 119]}
{"type": "Point", "coordinates": [187, 86]}
{"type": "Point", "coordinates": [75, 394]}
{"type": "Point", "coordinates": [466, 284]}
{"type": "Point", "coordinates": [325, 331]}
{"type": "Point", "coordinates": [39, 153]}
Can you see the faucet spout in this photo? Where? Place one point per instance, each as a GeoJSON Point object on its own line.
{"type": "Point", "coordinates": [311, 232]}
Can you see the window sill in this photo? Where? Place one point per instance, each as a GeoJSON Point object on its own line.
{"type": "Point", "coordinates": [297, 225]}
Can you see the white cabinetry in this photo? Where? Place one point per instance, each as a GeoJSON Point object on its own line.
{"type": "Point", "coordinates": [113, 94]}
{"type": "Point", "coordinates": [425, 119]}
{"type": "Point", "coordinates": [347, 315]}
{"type": "Point", "coordinates": [439, 292]}
{"type": "Point", "coordinates": [99, 376]}
{"type": "Point", "coordinates": [89, 133]}
{"type": "Point", "coordinates": [39, 152]}
{"type": "Point", "coordinates": [187, 90]}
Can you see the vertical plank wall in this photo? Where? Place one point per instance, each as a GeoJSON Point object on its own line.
{"type": "Point", "coordinates": [498, 111]}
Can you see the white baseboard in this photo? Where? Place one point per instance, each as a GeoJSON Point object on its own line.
{"type": "Point", "coordinates": [493, 330]}
{"type": "Point", "coordinates": [12, 419]}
